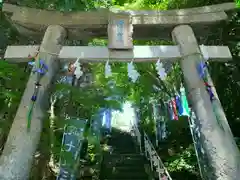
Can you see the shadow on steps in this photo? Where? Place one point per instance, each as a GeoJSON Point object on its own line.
{"type": "Point", "coordinates": [123, 160]}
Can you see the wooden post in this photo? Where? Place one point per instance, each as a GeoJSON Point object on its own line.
{"type": "Point", "coordinates": [221, 152]}
{"type": "Point", "coordinates": [17, 157]}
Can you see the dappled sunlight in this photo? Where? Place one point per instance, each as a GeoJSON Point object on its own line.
{"type": "Point", "coordinates": [124, 120]}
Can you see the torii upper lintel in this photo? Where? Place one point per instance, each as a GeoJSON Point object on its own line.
{"type": "Point", "coordinates": [146, 24]}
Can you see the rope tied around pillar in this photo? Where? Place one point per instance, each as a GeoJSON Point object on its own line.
{"type": "Point", "coordinates": [36, 53]}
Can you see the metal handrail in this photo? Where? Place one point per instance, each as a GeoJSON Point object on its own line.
{"type": "Point", "coordinates": [151, 154]}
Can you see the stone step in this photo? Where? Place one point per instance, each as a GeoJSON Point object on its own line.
{"type": "Point", "coordinates": [124, 178]}
{"type": "Point", "coordinates": [123, 162]}
{"type": "Point", "coordinates": [118, 156]}
{"type": "Point", "coordinates": [119, 162]}
{"type": "Point", "coordinates": [124, 151]}
{"type": "Point", "coordinates": [125, 169]}
{"type": "Point", "coordinates": [126, 175]}
{"type": "Point", "coordinates": [123, 142]}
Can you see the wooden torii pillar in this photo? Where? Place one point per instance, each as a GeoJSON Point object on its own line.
{"type": "Point", "coordinates": [28, 20]}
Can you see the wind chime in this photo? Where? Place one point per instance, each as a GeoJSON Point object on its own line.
{"type": "Point", "coordinates": [202, 71]}
{"type": "Point", "coordinates": [40, 69]}
{"type": "Point", "coordinates": [177, 106]}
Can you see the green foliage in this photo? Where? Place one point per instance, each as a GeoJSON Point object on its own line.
{"type": "Point", "coordinates": [12, 84]}
{"type": "Point", "coordinates": [84, 102]}
{"type": "Point", "coordinates": [237, 3]}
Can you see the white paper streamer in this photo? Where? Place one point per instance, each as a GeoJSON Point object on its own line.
{"type": "Point", "coordinates": [108, 70]}
{"type": "Point", "coordinates": [160, 70]}
{"type": "Point", "coordinates": [204, 51]}
{"type": "Point", "coordinates": [78, 71]}
{"type": "Point", "coordinates": [132, 72]}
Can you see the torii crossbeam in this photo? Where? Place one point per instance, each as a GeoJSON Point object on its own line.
{"type": "Point", "coordinates": [19, 54]}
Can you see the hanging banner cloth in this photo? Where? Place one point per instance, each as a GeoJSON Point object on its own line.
{"type": "Point", "coordinates": [170, 110]}
{"type": "Point", "coordinates": [179, 105]}
{"type": "Point", "coordinates": [174, 107]}
{"type": "Point", "coordinates": [72, 142]}
{"type": "Point", "coordinates": [184, 102]}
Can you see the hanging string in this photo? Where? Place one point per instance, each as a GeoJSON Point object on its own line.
{"type": "Point", "coordinates": [108, 70]}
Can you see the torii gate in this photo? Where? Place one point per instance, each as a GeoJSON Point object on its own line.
{"type": "Point", "coordinates": [17, 156]}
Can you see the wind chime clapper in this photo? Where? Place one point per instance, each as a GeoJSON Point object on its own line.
{"type": "Point", "coordinates": [34, 96]}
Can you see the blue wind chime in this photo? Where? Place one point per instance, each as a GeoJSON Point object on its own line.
{"type": "Point", "coordinates": [202, 71]}
{"type": "Point", "coordinates": [178, 105]}
{"type": "Point", "coordinates": [40, 69]}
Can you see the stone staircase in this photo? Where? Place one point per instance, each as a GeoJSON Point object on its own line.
{"type": "Point", "coordinates": [123, 161]}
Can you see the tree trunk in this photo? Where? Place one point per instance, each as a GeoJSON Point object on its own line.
{"type": "Point", "coordinates": [17, 157]}
{"type": "Point", "coordinates": [218, 147]}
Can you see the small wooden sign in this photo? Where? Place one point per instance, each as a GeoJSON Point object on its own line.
{"type": "Point", "coordinates": [71, 145]}
{"type": "Point", "coordinates": [120, 31]}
